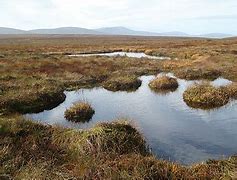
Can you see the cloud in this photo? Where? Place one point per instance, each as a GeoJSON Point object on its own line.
{"type": "Point", "coordinates": [153, 15]}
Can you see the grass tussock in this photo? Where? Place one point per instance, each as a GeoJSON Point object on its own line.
{"type": "Point", "coordinates": [117, 138]}
{"type": "Point", "coordinates": [79, 112]}
{"type": "Point", "coordinates": [123, 83]}
{"type": "Point", "coordinates": [164, 83]}
{"type": "Point", "coordinates": [107, 151]}
{"type": "Point", "coordinates": [205, 96]}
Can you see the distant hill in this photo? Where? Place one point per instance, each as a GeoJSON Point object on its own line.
{"type": "Point", "coordinates": [107, 31]}
{"type": "Point", "coordinates": [63, 30]}
{"type": "Point", "coordinates": [4, 30]}
{"type": "Point", "coordinates": [124, 31]}
{"type": "Point", "coordinates": [175, 33]}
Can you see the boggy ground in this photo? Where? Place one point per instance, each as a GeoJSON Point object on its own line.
{"type": "Point", "coordinates": [32, 61]}
{"type": "Point", "coordinates": [33, 78]}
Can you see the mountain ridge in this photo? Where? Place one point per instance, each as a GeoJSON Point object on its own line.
{"type": "Point", "coordinates": [119, 30]}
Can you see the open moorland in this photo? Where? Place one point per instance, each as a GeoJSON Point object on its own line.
{"type": "Point", "coordinates": [36, 70]}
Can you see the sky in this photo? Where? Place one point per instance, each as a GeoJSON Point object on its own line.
{"type": "Point", "coordinates": [190, 16]}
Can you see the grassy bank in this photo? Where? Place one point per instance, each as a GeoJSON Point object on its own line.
{"type": "Point", "coordinates": [28, 94]}
{"type": "Point", "coordinates": [116, 150]}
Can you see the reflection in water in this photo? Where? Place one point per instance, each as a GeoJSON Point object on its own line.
{"type": "Point", "coordinates": [173, 130]}
{"type": "Point", "coordinates": [128, 54]}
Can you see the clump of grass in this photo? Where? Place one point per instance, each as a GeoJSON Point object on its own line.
{"type": "Point", "coordinates": [79, 112]}
{"type": "Point", "coordinates": [163, 84]}
{"type": "Point", "coordinates": [122, 83]}
{"type": "Point", "coordinates": [118, 137]}
{"type": "Point", "coordinates": [205, 96]}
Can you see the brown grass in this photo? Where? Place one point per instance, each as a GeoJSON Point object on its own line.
{"type": "Point", "coordinates": [26, 95]}
{"type": "Point", "coordinates": [122, 83]}
{"type": "Point", "coordinates": [79, 112]}
{"type": "Point", "coordinates": [205, 96]}
{"type": "Point", "coordinates": [164, 83]}
{"type": "Point", "coordinates": [107, 151]}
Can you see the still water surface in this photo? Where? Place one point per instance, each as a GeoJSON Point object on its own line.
{"type": "Point", "coordinates": [173, 130]}
{"type": "Point", "coordinates": [128, 54]}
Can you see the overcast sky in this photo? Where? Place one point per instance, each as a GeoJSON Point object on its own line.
{"type": "Point", "coordinates": [190, 16]}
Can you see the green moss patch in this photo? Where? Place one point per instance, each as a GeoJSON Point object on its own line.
{"type": "Point", "coordinates": [123, 83]}
{"type": "Point", "coordinates": [79, 112]}
{"type": "Point", "coordinates": [205, 96]}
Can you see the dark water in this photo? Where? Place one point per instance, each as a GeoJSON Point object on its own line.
{"type": "Point", "coordinates": [173, 130]}
{"type": "Point", "coordinates": [128, 54]}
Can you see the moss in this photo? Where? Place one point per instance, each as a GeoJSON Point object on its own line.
{"type": "Point", "coordinates": [79, 112]}
{"type": "Point", "coordinates": [205, 96]}
{"type": "Point", "coordinates": [164, 84]}
{"type": "Point", "coordinates": [122, 83]}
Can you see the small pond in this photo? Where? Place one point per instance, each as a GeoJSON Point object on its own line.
{"type": "Point", "coordinates": [173, 130]}
{"type": "Point", "coordinates": [126, 54]}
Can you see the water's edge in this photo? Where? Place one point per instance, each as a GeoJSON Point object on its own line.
{"type": "Point", "coordinates": [173, 130]}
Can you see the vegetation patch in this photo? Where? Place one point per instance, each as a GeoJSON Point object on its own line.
{"type": "Point", "coordinates": [195, 74]}
{"type": "Point", "coordinates": [30, 95]}
{"type": "Point", "coordinates": [163, 84]}
{"type": "Point", "coordinates": [107, 151]}
{"type": "Point", "coordinates": [205, 96]}
{"type": "Point", "coordinates": [231, 90]}
{"type": "Point", "coordinates": [79, 112]}
{"type": "Point", "coordinates": [122, 83]}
